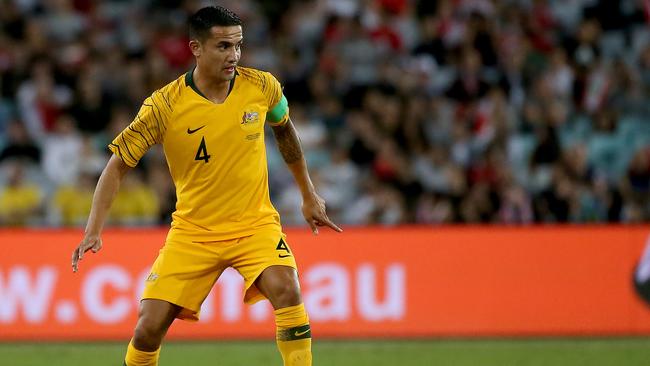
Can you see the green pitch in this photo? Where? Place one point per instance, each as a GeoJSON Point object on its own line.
{"type": "Point", "coordinates": [596, 352]}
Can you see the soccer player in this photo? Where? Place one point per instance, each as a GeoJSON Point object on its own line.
{"type": "Point", "coordinates": [210, 123]}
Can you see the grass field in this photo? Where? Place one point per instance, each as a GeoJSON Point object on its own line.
{"type": "Point", "coordinates": [555, 352]}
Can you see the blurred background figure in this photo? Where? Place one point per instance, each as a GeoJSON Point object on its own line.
{"type": "Point", "coordinates": [71, 203]}
{"type": "Point", "coordinates": [18, 146]}
{"type": "Point", "coordinates": [136, 203]}
{"type": "Point", "coordinates": [417, 111]}
{"type": "Point", "coordinates": [21, 201]}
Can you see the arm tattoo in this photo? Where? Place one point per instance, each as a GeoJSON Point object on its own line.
{"type": "Point", "coordinates": [288, 142]}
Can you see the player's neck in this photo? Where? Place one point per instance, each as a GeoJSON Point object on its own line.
{"type": "Point", "coordinates": [215, 90]}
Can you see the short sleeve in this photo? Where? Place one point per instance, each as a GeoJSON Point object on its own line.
{"type": "Point", "coordinates": [272, 89]}
{"type": "Point", "coordinates": [277, 106]}
{"type": "Point", "coordinates": [278, 113]}
{"type": "Point", "coordinates": [147, 129]}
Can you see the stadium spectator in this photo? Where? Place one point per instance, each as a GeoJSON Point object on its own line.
{"type": "Point", "coordinates": [406, 101]}
{"type": "Point", "coordinates": [62, 152]}
{"type": "Point", "coordinates": [18, 145]}
{"type": "Point", "coordinates": [40, 99]}
{"type": "Point", "coordinates": [20, 200]}
{"type": "Point", "coordinates": [71, 202]}
{"type": "Point", "coordinates": [136, 204]}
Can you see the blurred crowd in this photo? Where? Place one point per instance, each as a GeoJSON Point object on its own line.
{"type": "Point", "coordinates": [428, 112]}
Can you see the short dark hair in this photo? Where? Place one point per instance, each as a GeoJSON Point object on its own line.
{"type": "Point", "coordinates": [208, 17]}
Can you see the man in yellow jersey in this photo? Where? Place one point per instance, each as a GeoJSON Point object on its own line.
{"type": "Point", "coordinates": [210, 123]}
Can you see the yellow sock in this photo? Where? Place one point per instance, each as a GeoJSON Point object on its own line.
{"type": "Point", "coordinates": [293, 335]}
{"type": "Point", "coordinates": [135, 357]}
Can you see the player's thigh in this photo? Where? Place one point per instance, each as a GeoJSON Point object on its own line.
{"type": "Point", "coordinates": [183, 274]}
{"type": "Point", "coordinates": [254, 254]}
{"type": "Point", "coordinates": [156, 315]}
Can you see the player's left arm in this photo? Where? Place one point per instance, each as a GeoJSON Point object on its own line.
{"type": "Point", "coordinates": [313, 206]}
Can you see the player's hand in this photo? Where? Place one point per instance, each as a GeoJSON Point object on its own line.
{"type": "Point", "coordinates": [92, 242]}
{"type": "Point", "coordinates": [313, 209]}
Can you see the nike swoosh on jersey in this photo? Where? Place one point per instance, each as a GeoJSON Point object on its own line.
{"type": "Point", "coordinates": [284, 255]}
{"type": "Point", "coordinates": [189, 131]}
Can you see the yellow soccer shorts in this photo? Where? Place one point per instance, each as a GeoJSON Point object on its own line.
{"type": "Point", "coordinates": [185, 270]}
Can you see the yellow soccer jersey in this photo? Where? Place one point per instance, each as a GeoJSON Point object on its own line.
{"type": "Point", "coordinates": [215, 153]}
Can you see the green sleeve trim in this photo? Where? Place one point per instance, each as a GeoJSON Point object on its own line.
{"type": "Point", "coordinates": [277, 113]}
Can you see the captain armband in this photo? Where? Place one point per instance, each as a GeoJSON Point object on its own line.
{"type": "Point", "coordinates": [279, 114]}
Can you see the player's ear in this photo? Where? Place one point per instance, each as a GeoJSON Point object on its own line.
{"type": "Point", "coordinates": [195, 47]}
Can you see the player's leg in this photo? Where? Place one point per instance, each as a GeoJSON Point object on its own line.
{"type": "Point", "coordinates": [269, 269]}
{"type": "Point", "coordinates": [280, 285]}
{"type": "Point", "coordinates": [180, 280]}
{"type": "Point", "coordinates": [293, 335]}
{"type": "Point", "coordinates": [154, 318]}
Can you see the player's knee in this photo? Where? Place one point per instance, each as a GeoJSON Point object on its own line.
{"type": "Point", "coordinates": [148, 334]}
{"type": "Point", "coordinates": [286, 294]}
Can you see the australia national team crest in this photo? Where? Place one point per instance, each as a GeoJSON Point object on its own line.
{"type": "Point", "coordinates": [250, 118]}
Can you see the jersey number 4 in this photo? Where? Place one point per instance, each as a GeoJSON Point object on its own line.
{"type": "Point", "coordinates": [202, 152]}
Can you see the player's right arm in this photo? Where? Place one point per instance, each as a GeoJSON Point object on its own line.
{"type": "Point", "coordinates": [147, 129]}
{"type": "Point", "coordinates": [107, 188]}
